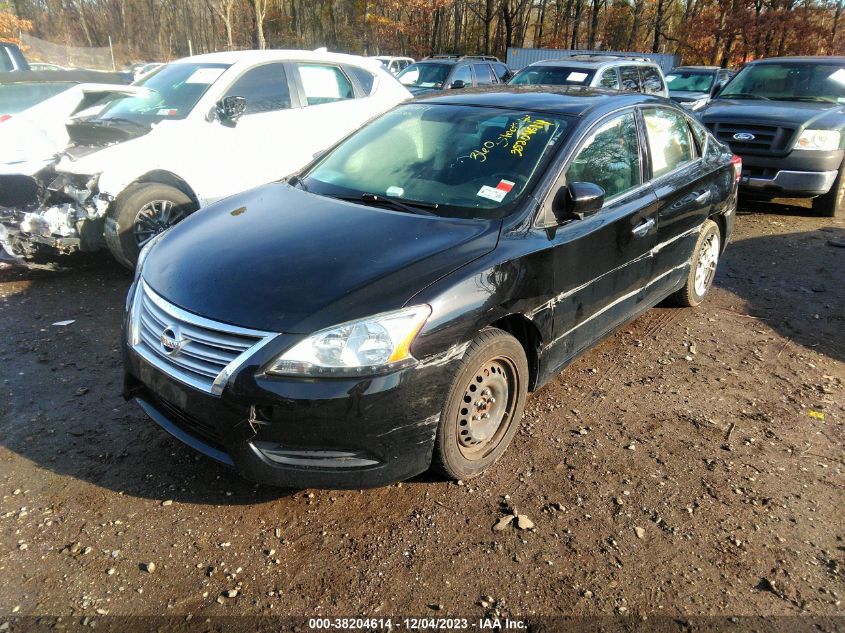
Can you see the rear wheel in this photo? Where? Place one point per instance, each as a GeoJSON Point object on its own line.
{"type": "Point", "coordinates": [832, 203]}
{"type": "Point", "coordinates": [140, 213]}
{"type": "Point", "coordinates": [483, 407]}
{"type": "Point", "coordinates": [703, 263]}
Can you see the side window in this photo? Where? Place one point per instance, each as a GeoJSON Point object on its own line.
{"type": "Point", "coordinates": [482, 74]}
{"type": "Point", "coordinates": [462, 73]}
{"type": "Point", "coordinates": [265, 89]}
{"type": "Point", "coordinates": [630, 78]}
{"type": "Point", "coordinates": [668, 140]}
{"type": "Point", "coordinates": [501, 71]}
{"type": "Point", "coordinates": [364, 78]}
{"type": "Point", "coordinates": [700, 135]}
{"type": "Point", "coordinates": [324, 84]}
{"type": "Point", "coordinates": [5, 61]}
{"type": "Point", "coordinates": [609, 79]}
{"type": "Point", "coordinates": [609, 157]}
{"type": "Point", "coordinates": [652, 83]}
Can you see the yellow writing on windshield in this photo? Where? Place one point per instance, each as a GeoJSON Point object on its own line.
{"type": "Point", "coordinates": [527, 133]}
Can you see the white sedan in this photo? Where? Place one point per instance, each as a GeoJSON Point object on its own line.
{"type": "Point", "coordinates": [202, 128]}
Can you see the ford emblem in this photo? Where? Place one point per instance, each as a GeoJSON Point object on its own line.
{"type": "Point", "coordinates": [744, 136]}
{"type": "Point", "coordinates": [172, 340]}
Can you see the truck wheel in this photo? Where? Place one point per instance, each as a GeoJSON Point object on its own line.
{"type": "Point", "coordinates": [141, 212]}
{"type": "Point", "coordinates": [484, 406]}
{"type": "Point", "coordinates": [702, 271]}
{"type": "Point", "coordinates": [832, 203]}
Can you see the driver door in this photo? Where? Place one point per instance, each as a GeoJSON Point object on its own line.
{"type": "Point", "coordinates": [260, 146]}
{"type": "Point", "coordinates": [602, 263]}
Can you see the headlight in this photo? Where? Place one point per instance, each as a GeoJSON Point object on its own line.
{"type": "Point", "coordinates": [142, 256]}
{"type": "Point", "coordinates": [368, 346]}
{"type": "Point", "coordinates": [694, 105]}
{"type": "Point", "coordinates": [824, 140]}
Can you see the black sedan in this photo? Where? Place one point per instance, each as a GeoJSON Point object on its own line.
{"type": "Point", "coordinates": [389, 308]}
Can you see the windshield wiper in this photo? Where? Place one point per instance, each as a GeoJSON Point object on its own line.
{"type": "Point", "coordinates": [295, 181]}
{"type": "Point", "coordinates": [743, 95]}
{"type": "Point", "coordinates": [808, 98]}
{"type": "Point", "coordinates": [110, 120]}
{"type": "Point", "coordinates": [410, 206]}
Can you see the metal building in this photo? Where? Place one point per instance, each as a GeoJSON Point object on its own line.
{"type": "Point", "coordinates": [521, 57]}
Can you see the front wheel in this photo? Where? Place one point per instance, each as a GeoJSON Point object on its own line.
{"type": "Point", "coordinates": [483, 407]}
{"type": "Point", "coordinates": [140, 213]}
{"type": "Point", "coordinates": [832, 203]}
{"type": "Point", "coordinates": [702, 271]}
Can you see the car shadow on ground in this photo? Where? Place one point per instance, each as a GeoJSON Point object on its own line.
{"type": "Point", "coordinates": [792, 282]}
{"type": "Point", "coordinates": [61, 404]}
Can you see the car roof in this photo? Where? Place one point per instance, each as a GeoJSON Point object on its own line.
{"type": "Point", "coordinates": [701, 68]}
{"type": "Point", "coordinates": [591, 61]}
{"type": "Point", "coordinates": [571, 100]}
{"type": "Point", "coordinates": [257, 56]}
{"type": "Point", "coordinates": [812, 59]}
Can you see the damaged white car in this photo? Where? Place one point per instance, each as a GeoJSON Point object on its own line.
{"type": "Point", "coordinates": [201, 129]}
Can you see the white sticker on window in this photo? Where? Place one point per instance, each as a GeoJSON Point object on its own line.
{"type": "Point", "coordinates": [491, 193]}
{"type": "Point", "coordinates": [395, 191]}
{"type": "Point", "coordinates": [838, 76]}
{"type": "Point", "coordinates": [204, 76]}
{"type": "Point", "coordinates": [671, 77]}
{"type": "Point", "coordinates": [576, 77]}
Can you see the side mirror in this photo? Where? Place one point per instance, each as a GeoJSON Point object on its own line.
{"type": "Point", "coordinates": [717, 87]}
{"type": "Point", "coordinates": [230, 109]}
{"type": "Point", "coordinates": [577, 200]}
{"type": "Point", "coordinates": [457, 84]}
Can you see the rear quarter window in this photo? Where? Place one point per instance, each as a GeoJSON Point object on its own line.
{"type": "Point", "coordinates": [364, 78]}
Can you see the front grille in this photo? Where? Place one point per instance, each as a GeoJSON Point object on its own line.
{"type": "Point", "coordinates": [767, 138]}
{"type": "Point", "coordinates": [192, 349]}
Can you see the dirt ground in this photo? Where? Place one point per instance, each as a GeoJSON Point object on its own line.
{"type": "Point", "coordinates": [691, 464]}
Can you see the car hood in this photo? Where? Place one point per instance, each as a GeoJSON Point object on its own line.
{"type": "Point", "coordinates": [279, 259]}
{"type": "Point", "coordinates": [682, 96]}
{"type": "Point", "coordinates": [418, 92]}
{"type": "Point", "coordinates": [784, 113]}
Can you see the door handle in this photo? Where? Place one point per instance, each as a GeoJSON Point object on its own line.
{"type": "Point", "coordinates": [703, 197]}
{"type": "Point", "coordinates": [643, 227]}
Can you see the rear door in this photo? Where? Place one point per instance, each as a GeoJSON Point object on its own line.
{"type": "Point", "coordinates": [608, 79]}
{"type": "Point", "coordinates": [332, 107]}
{"type": "Point", "coordinates": [685, 186]}
{"type": "Point", "coordinates": [602, 263]}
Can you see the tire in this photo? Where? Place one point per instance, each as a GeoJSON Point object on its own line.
{"type": "Point", "coordinates": [703, 263]}
{"type": "Point", "coordinates": [466, 445]}
{"type": "Point", "coordinates": [139, 213]}
{"type": "Point", "coordinates": [832, 203]}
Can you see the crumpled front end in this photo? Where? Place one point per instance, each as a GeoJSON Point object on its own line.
{"type": "Point", "coordinates": [58, 214]}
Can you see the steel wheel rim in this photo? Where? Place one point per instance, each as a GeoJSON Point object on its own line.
{"type": "Point", "coordinates": [486, 409]}
{"type": "Point", "coordinates": [155, 217]}
{"type": "Point", "coordinates": [705, 269]}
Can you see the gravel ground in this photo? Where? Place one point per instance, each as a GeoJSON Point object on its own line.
{"type": "Point", "coordinates": [691, 464]}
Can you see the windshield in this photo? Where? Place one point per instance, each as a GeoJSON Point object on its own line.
{"type": "Point", "coordinates": [470, 161]}
{"type": "Point", "coordinates": [15, 98]}
{"type": "Point", "coordinates": [174, 90]}
{"type": "Point", "coordinates": [425, 75]}
{"type": "Point", "coordinates": [789, 81]}
{"type": "Point", "coordinates": [554, 76]}
{"type": "Point", "coordinates": [689, 81]}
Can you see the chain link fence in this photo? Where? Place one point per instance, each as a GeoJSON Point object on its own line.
{"type": "Point", "coordinates": [94, 58]}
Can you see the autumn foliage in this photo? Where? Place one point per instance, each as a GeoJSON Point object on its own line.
{"type": "Point", "coordinates": [724, 32]}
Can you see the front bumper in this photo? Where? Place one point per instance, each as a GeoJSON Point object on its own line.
{"type": "Point", "coordinates": [303, 433]}
{"type": "Point", "coordinates": [799, 174]}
